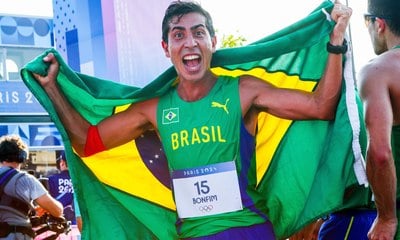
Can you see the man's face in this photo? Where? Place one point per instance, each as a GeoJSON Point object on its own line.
{"type": "Point", "coordinates": [190, 46]}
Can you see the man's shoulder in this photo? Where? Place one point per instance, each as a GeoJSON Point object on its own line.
{"type": "Point", "coordinates": [382, 67]}
{"type": "Point", "coordinates": [65, 174]}
{"type": "Point", "coordinates": [27, 178]}
{"type": "Point", "coordinates": [386, 61]}
{"type": "Point", "coordinates": [53, 176]}
{"type": "Point", "coordinates": [3, 169]}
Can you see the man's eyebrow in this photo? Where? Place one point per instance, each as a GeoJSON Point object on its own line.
{"type": "Point", "coordinates": [192, 28]}
{"type": "Point", "coordinates": [197, 26]}
{"type": "Point", "coordinates": [177, 28]}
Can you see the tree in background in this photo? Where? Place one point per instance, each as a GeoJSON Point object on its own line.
{"type": "Point", "coordinates": [231, 40]}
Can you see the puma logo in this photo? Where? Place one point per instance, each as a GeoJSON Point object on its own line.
{"type": "Point", "coordinates": [220, 105]}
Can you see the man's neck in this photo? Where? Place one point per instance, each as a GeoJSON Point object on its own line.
{"type": "Point", "coordinates": [12, 165]}
{"type": "Point", "coordinates": [193, 91]}
{"type": "Point", "coordinates": [393, 42]}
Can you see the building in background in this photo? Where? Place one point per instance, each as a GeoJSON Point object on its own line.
{"type": "Point", "coordinates": [118, 40]}
{"type": "Point", "coordinates": [21, 40]}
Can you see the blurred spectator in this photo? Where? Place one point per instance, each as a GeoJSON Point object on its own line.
{"type": "Point", "coordinates": [19, 190]}
{"type": "Point", "coordinates": [60, 187]}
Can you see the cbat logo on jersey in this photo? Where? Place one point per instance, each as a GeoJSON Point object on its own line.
{"type": "Point", "coordinates": [170, 115]}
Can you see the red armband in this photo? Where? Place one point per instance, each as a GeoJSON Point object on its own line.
{"type": "Point", "coordinates": [93, 144]}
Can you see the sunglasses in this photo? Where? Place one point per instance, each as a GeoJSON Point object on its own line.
{"type": "Point", "coordinates": [369, 18]}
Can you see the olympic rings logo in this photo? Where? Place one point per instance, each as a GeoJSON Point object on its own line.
{"type": "Point", "coordinates": [206, 208]}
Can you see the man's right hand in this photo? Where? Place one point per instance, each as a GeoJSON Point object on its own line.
{"type": "Point", "coordinates": [52, 71]}
{"type": "Point", "coordinates": [75, 125]}
{"type": "Point", "coordinates": [383, 229]}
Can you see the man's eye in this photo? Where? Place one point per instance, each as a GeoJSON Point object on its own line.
{"type": "Point", "coordinates": [199, 33]}
{"type": "Point", "coordinates": [178, 35]}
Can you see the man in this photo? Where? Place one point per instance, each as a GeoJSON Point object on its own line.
{"type": "Point", "coordinates": [18, 190]}
{"type": "Point", "coordinates": [209, 146]}
{"type": "Point", "coordinates": [380, 92]}
{"type": "Point", "coordinates": [60, 187]}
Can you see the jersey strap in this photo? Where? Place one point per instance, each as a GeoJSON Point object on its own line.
{"type": "Point", "coordinates": [10, 201]}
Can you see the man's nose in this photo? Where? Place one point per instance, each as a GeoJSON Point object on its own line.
{"type": "Point", "coordinates": [191, 41]}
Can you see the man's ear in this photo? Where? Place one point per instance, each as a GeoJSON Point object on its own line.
{"type": "Point", "coordinates": [381, 24]}
{"type": "Point", "coordinates": [164, 45]}
{"type": "Point", "coordinates": [214, 43]}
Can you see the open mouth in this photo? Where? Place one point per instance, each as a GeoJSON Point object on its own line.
{"type": "Point", "coordinates": [192, 61]}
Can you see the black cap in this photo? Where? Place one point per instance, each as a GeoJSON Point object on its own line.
{"type": "Point", "coordinates": [61, 155]}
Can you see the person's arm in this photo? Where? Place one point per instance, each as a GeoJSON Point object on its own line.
{"type": "Point", "coordinates": [381, 170]}
{"type": "Point", "coordinates": [309, 232]}
{"type": "Point", "coordinates": [79, 223]}
{"type": "Point", "coordinates": [294, 104]}
{"type": "Point", "coordinates": [49, 204]}
{"type": "Point", "coordinates": [75, 124]}
{"type": "Point", "coordinates": [113, 131]}
{"type": "Point", "coordinates": [78, 216]}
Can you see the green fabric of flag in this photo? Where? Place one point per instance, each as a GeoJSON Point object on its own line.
{"type": "Point", "coordinates": [314, 168]}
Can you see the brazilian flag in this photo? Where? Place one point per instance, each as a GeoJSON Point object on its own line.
{"type": "Point", "coordinates": [305, 169]}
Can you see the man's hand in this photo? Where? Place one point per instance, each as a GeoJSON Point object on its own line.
{"type": "Point", "coordinates": [52, 72]}
{"type": "Point", "coordinates": [341, 15]}
{"type": "Point", "coordinates": [40, 211]}
{"type": "Point", "coordinates": [383, 229]}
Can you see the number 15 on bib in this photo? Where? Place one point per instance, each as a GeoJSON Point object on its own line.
{"type": "Point", "coordinates": [207, 190]}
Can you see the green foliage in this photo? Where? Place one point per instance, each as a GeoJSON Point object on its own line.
{"type": "Point", "coordinates": [231, 40]}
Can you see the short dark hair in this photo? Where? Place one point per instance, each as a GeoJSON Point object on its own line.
{"type": "Point", "coordinates": [181, 8]}
{"type": "Point", "coordinates": [388, 10]}
{"type": "Point", "coordinates": [13, 149]}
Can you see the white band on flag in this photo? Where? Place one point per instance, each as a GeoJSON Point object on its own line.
{"type": "Point", "coordinates": [352, 110]}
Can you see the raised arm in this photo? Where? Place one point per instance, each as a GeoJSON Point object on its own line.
{"type": "Point", "coordinates": [294, 104]}
{"type": "Point", "coordinates": [113, 131]}
{"type": "Point", "coordinates": [327, 93]}
{"type": "Point", "coordinates": [75, 125]}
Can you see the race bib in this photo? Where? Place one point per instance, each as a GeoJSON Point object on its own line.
{"type": "Point", "coordinates": [206, 190]}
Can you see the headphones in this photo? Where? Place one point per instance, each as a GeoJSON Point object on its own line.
{"type": "Point", "coordinates": [22, 156]}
